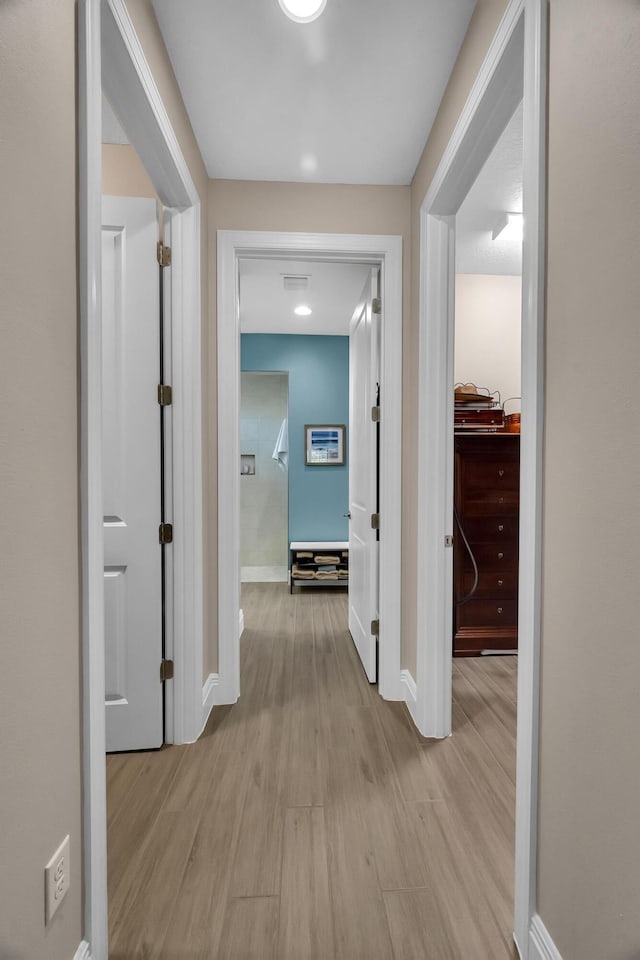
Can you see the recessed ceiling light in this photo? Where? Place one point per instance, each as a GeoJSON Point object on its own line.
{"type": "Point", "coordinates": [303, 11]}
{"type": "Point", "coordinates": [302, 311]}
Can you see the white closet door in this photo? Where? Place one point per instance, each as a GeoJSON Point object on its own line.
{"type": "Point", "coordinates": [131, 474]}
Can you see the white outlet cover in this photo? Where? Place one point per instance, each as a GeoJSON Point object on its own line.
{"type": "Point", "coordinates": [56, 879]}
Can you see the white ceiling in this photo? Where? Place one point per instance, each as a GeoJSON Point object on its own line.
{"type": "Point", "coordinates": [497, 190]}
{"type": "Point", "coordinates": [349, 98]}
{"type": "Point", "coordinates": [333, 292]}
{"type": "Point", "coordinates": [112, 131]}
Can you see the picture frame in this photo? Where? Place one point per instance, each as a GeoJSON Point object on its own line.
{"type": "Point", "coordinates": [325, 444]}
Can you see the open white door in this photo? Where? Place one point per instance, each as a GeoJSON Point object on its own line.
{"type": "Point", "coordinates": [131, 474]}
{"type": "Point", "coordinates": [364, 361]}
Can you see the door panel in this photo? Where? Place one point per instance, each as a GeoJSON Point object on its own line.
{"type": "Point", "coordinates": [363, 546]}
{"type": "Point", "coordinates": [131, 474]}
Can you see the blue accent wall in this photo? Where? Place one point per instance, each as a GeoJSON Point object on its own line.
{"type": "Point", "coordinates": [318, 369]}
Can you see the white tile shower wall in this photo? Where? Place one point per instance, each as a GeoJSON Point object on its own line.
{"type": "Point", "coordinates": [264, 496]}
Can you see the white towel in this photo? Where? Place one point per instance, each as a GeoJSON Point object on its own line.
{"type": "Point", "coordinates": [281, 449]}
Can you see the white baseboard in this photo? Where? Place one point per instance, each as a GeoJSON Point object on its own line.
{"type": "Point", "coordinates": [410, 694]}
{"type": "Point", "coordinates": [241, 624]}
{"type": "Point", "coordinates": [541, 946]}
{"type": "Point", "coordinates": [214, 694]}
{"type": "Point", "coordinates": [83, 952]}
{"type": "Point", "coordinates": [209, 694]}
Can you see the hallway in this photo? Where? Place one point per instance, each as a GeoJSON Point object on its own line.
{"type": "Point", "coordinates": [311, 821]}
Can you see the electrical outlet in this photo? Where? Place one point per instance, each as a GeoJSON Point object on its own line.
{"type": "Point", "coordinates": [56, 880]}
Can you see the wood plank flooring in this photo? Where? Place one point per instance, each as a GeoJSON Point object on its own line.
{"type": "Point", "coordinates": [311, 821]}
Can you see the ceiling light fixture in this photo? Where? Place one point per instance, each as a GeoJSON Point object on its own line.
{"type": "Point", "coordinates": [302, 311]}
{"type": "Point", "coordinates": [303, 11]}
{"type": "Point", "coordinates": [509, 227]}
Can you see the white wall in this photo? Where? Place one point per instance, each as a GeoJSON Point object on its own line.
{"type": "Point", "coordinates": [487, 342]}
{"type": "Point", "coordinates": [264, 496]}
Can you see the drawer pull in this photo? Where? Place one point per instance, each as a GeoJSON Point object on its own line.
{"type": "Point", "coordinates": [499, 609]}
{"type": "Point", "coordinates": [501, 473]}
{"type": "Point", "coordinates": [500, 556]}
{"type": "Point", "coordinates": [500, 499]}
{"type": "Point", "coordinates": [500, 583]}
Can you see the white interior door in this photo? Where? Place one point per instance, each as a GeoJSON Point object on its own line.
{"type": "Point", "coordinates": [131, 474]}
{"type": "Point", "coordinates": [364, 358]}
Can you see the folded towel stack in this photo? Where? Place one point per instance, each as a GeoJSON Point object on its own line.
{"type": "Point", "coordinates": [323, 559]}
{"type": "Point", "coordinates": [327, 575]}
{"type": "Point", "coordinates": [302, 573]}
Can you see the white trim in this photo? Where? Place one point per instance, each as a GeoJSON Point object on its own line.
{"type": "Point", "coordinates": [92, 550]}
{"type": "Point", "coordinates": [541, 946]}
{"type": "Point", "coordinates": [241, 624]}
{"type": "Point", "coordinates": [410, 693]}
{"type": "Point", "coordinates": [127, 81]}
{"type": "Point", "coordinates": [106, 36]}
{"type": "Point", "coordinates": [387, 251]}
{"type": "Point", "coordinates": [515, 66]}
{"type": "Point", "coordinates": [83, 952]}
{"type": "Point", "coordinates": [531, 460]}
{"type": "Point", "coordinates": [209, 698]}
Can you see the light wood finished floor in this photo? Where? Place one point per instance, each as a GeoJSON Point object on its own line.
{"type": "Point", "coordinates": [311, 821]}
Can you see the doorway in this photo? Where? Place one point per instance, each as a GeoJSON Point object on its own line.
{"type": "Point", "coordinates": [514, 70]}
{"type": "Point", "coordinates": [106, 38]}
{"type": "Point", "coordinates": [311, 322]}
{"type": "Point", "coordinates": [264, 490]}
{"type": "Point", "coordinates": [383, 251]}
{"type": "Point", "coordinates": [487, 399]}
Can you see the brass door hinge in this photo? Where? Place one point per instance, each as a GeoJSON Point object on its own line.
{"type": "Point", "coordinates": [375, 628]}
{"type": "Point", "coordinates": [376, 305]}
{"type": "Point", "coordinates": [166, 670]}
{"type": "Point", "coordinates": [375, 414]}
{"type": "Point", "coordinates": [165, 395]}
{"type": "Point", "coordinates": [375, 521]}
{"type": "Point", "coordinates": [165, 533]}
{"type": "Point", "coordinates": [163, 254]}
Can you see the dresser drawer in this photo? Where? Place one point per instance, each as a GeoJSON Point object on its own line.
{"type": "Point", "coordinates": [487, 613]}
{"type": "Point", "coordinates": [486, 503]}
{"type": "Point", "coordinates": [494, 583]}
{"type": "Point", "coordinates": [490, 529]}
{"type": "Point", "coordinates": [490, 556]}
{"type": "Point", "coordinates": [491, 474]}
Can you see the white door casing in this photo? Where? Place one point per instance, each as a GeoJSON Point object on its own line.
{"type": "Point", "coordinates": [386, 251]}
{"type": "Point", "coordinates": [131, 474]}
{"type": "Point", "coordinates": [363, 544]}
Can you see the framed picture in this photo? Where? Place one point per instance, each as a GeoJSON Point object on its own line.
{"type": "Point", "coordinates": [324, 444]}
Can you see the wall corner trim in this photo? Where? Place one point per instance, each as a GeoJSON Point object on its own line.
{"type": "Point", "coordinates": [215, 692]}
{"type": "Point", "coordinates": [541, 946]}
{"type": "Point", "coordinates": [410, 693]}
{"type": "Point", "coordinates": [83, 952]}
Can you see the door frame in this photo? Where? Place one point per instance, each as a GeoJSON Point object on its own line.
{"type": "Point", "coordinates": [110, 53]}
{"type": "Point", "coordinates": [514, 68]}
{"type": "Point", "coordinates": [385, 251]}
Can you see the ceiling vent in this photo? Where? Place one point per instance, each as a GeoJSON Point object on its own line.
{"type": "Point", "coordinates": [295, 281]}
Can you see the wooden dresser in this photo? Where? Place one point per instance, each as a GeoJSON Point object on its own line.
{"type": "Point", "coordinates": [486, 497]}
